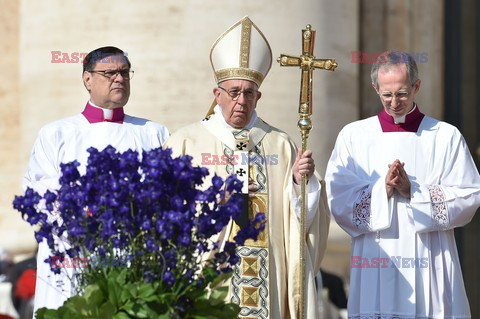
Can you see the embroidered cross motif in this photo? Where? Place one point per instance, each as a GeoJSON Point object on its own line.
{"type": "Point", "coordinates": [241, 172]}
{"type": "Point", "coordinates": [241, 145]}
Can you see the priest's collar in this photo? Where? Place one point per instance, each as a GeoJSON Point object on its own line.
{"type": "Point", "coordinates": [408, 123]}
{"type": "Point", "coordinates": [219, 116]}
{"type": "Point", "coordinates": [95, 114]}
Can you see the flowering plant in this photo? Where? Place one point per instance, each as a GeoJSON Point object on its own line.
{"type": "Point", "coordinates": [151, 212]}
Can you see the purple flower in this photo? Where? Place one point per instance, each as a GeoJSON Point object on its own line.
{"type": "Point", "coordinates": [151, 245]}
{"type": "Point", "coordinates": [146, 224]}
{"type": "Point", "coordinates": [150, 207]}
{"type": "Point", "coordinates": [177, 202]}
{"type": "Point", "coordinates": [233, 184]}
{"type": "Point", "coordinates": [185, 239]}
{"type": "Point", "coordinates": [168, 278]}
{"type": "Point", "coordinates": [69, 172]}
{"type": "Point", "coordinates": [217, 182]}
{"type": "Point", "coordinates": [150, 276]}
{"type": "Point", "coordinates": [75, 229]}
{"type": "Point", "coordinates": [160, 226]}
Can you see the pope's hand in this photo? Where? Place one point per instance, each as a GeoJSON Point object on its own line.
{"type": "Point", "coordinates": [252, 188]}
{"type": "Point", "coordinates": [304, 164]}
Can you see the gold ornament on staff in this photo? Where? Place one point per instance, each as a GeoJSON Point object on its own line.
{"type": "Point", "coordinates": [307, 63]}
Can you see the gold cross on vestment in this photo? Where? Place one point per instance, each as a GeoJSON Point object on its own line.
{"type": "Point", "coordinates": [307, 63]}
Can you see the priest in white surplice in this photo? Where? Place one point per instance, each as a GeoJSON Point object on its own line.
{"type": "Point", "coordinates": [106, 76]}
{"type": "Point", "coordinates": [399, 183]}
{"type": "Point", "coordinates": [233, 139]}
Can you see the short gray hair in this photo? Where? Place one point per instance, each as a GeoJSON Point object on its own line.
{"type": "Point", "coordinates": [390, 58]}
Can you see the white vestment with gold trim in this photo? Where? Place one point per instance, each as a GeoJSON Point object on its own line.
{"type": "Point", "coordinates": [270, 264]}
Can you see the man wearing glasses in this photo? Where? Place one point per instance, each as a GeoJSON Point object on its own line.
{"type": "Point", "coordinates": [232, 139]}
{"type": "Point", "coordinates": [399, 183]}
{"type": "Point", "coordinates": [106, 75]}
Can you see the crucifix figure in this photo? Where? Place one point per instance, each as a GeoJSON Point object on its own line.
{"type": "Point", "coordinates": [307, 62]}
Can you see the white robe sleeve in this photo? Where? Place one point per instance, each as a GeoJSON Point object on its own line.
{"type": "Point", "coordinates": [43, 174]}
{"type": "Point", "coordinates": [453, 197]}
{"type": "Point", "coordinates": [313, 197]}
{"type": "Point", "coordinates": [357, 203]}
{"type": "Point", "coordinates": [43, 170]}
{"type": "Point", "coordinates": [161, 134]}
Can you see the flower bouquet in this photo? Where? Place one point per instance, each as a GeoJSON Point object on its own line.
{"type": "Point", "coordinates": [151, 215]}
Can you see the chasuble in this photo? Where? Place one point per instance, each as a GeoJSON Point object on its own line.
{"type": "Point", "coordinates": [264, 282]}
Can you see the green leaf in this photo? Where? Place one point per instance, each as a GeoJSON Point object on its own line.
{"type": "Point", "coordinates": [125, 294]}
{"type": "Point", "coordinates": [205, 309]}
{"type": "Point", "coordinates": [44, 313]}
{"type": "Point", "coordinates": [232, 308]}
{"type": "Point", "coordinates": [209, 274]}
{"type": "Point", "coordinates": [220, 279]}
{"type": "Point", "coordinates": [134, 310]}
{"type": "Point", "coordinates": [101, 282]}
{"type": "Point", "coordinates": [142, 310]}
{"type": "Point", "coordinates": [146, 290]}
{"type": "Point", "coordinates": [113, 288]}
{"type": "Point", "coordinates": [107, 310]}
{"type": "Point", "coordinates": [93, 295]}
{"type": "Point", "coordinates": [212, 312]}
{"type": "Point", "coordinates": [218, 295]}
{"type": "Point", "coordinates": [121, 315]}
{"type": "Point", "coordinates": [194, 292]}
{"type": "Point", "coordinates": [121, 278]}
{"type": "Point", "coordinates": [75, 304]}
{"type": "Point", "coordinates": [167, 298]}
{"type": "Point", "coordinates": [128, 306]}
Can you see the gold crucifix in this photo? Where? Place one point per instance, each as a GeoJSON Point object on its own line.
{"type": "Point", "coordinates": [307, 63]}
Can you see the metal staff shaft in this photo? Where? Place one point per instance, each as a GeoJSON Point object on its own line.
{"type": "Point", "coordinates": [305, 125]}
{"type": "Point", "coordinates": [307, 63]}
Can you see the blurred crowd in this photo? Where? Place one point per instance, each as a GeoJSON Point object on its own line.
{"type": "Point", "coordinates": [17, 286]}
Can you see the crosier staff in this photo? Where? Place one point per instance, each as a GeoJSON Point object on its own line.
{"type": "Point", "coordinates": [307, 63]}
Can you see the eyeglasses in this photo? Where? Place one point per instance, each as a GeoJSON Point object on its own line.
{"type": "Point", "coordinates": [400, 95]}
{"type": "Point", "coordinates": [249, 94]}
{"type": "Point", "coordinates": [112, 74]}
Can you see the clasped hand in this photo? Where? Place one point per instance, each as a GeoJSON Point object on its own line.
{"type": "Point", "coordinates": [397, 179]}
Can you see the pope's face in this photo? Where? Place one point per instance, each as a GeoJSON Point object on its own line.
{"type": "Point", "coordinates": [237, 109]}
{"type": "Point", "coordinates": [105, 92]}
{"type": "Point", "coordinates": [395, 91]}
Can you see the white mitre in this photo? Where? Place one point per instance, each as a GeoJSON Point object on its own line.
{"type": "Point", "coordinates": [241, 52]}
